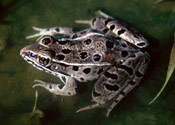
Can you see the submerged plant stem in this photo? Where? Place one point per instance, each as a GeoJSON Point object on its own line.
{"type": "Point", "coordinates": [171, 68]}
{"type": "Point", "coordinates": [36, 98]}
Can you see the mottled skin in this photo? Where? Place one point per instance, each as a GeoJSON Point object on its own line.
{"type": "Point", "coordinates": [109, 52]}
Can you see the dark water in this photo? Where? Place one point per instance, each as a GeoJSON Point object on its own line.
{"type": "Point", "coordinates": [16, 76]}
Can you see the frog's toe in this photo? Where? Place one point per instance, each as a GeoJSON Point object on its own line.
{"type": "Point", "coordinates": [58, 89]}
{"type": "Point", "coordinates": [83, 21]}
{"type": "Point", "coordinates": [41, 84]}
{"type": "Point", "coordinates": [37, 28]}
{"type": "Point", "coordinates": [103, 14]}
{"type": "Point", "coordinates": [33, 36]}
{"type": "Point", "coordinates": [88, 107]}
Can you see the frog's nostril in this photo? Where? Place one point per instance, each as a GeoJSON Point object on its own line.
{"type": "Point", "coordinates": [22, 52]}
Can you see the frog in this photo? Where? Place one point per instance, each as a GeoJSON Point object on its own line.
{"type": "Point", "coordinates": [109, 52]}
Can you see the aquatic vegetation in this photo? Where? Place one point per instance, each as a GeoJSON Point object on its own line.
{"type": "Point", "coordinates": [36, 114]}
{"type": "Point", "coordinates": [170, 70]}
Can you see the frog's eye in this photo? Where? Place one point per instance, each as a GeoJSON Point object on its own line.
{"type": "Point", "coordinates": [47, 40]}
{"type": "Point", "coordinates": [43, 61]}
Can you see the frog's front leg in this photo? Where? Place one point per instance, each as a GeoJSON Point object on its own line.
{"type": "Point", "coordinates": [67, 89]}
{"type": "Point", "coordinates": [51, 31]}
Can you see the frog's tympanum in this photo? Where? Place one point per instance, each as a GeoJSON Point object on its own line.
{"type": "Point", "coordinates": [110, 52]}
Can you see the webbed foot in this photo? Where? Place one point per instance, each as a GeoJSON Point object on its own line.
{"type": "Point", "coordinates": [67, 89]}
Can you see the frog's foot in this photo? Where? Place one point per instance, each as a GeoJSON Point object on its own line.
{"type": "Point", "coordinates": [104, 14]}
{"type": "Point", "coordinates": [67, 89]}
{"type": "Point", "coordinates": [90, 21]}
{"type": "Point", "coordinates": [83, 22]}
{"type": "Point", "coordinates": [51, 31]}
{"type": "Point", "coordinates": [88, 107]}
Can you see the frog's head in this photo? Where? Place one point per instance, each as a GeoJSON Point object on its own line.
{"type": "Point", "coordinates": [36, 54]}
{"type": "Point", "coordinates": [39, 54]}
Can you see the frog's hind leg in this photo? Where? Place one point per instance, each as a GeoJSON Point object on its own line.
{"type": "Point", "coordinates": [67, 89]}
{"type": "Point", "coordinates": [140, 70]}
{"type": "Point", "coordinates": [51, 31]}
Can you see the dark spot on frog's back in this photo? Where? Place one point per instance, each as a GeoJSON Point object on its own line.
{"type": "Point", "coordinates": [111, 87]}
{"type": "Point", "coordinates": [87, 70]}
{"type": "Point", "coordinates": [126, 68]}
{"type": "Point", "coordinates": [60, 57]}
{"type": "Point", "coordinates": [109, 44]}
{"type": "Point", "coordinates": [83, 32]}
{"type": "Point", "coordinates": [121, 31]}
{"type": "Point", "coordinates": [82, 79]}
{"type": "Point", "coordinates": [57, 29]}
{"type": "Point", "coordinates": [50, 86]}
{"type": "Point", "coordinates": [141, 44]}
{"type": "Point", "coordinates": [66, 51]}
{"type": "Point", "coordinates": [124, 45]}
{"type": "Point", "coordinates": [112, 76]}
{"type": "Point", "coordinates": [112, 27]}
{"type": "Point", "coordinates": [83, 55]}
{"type": "Point", "coordinates": [124, 53]}
{"type": "Point", "coordinates": [105, 30]}
{"type": "Point", "coordinates": [87, 42]}
{"type": "Point", "coordinates": [74, 36]}
{"type": "Point", "coordinates": [75, 68]}
{"type": "Point", "coordinates": [107, 21]}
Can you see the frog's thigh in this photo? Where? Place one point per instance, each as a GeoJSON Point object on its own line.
{"type": "Point", "coordinates": [67, 89]}
{"type": "Point", "coordinates": [138, 74]}
{"type": "Point", "coordinates": [100, 94]}
{"type": "Point", "coordinates": [109, 85]}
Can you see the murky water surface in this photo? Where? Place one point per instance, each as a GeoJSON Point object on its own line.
{"type": "Point", "coordinates": [16, 76]}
